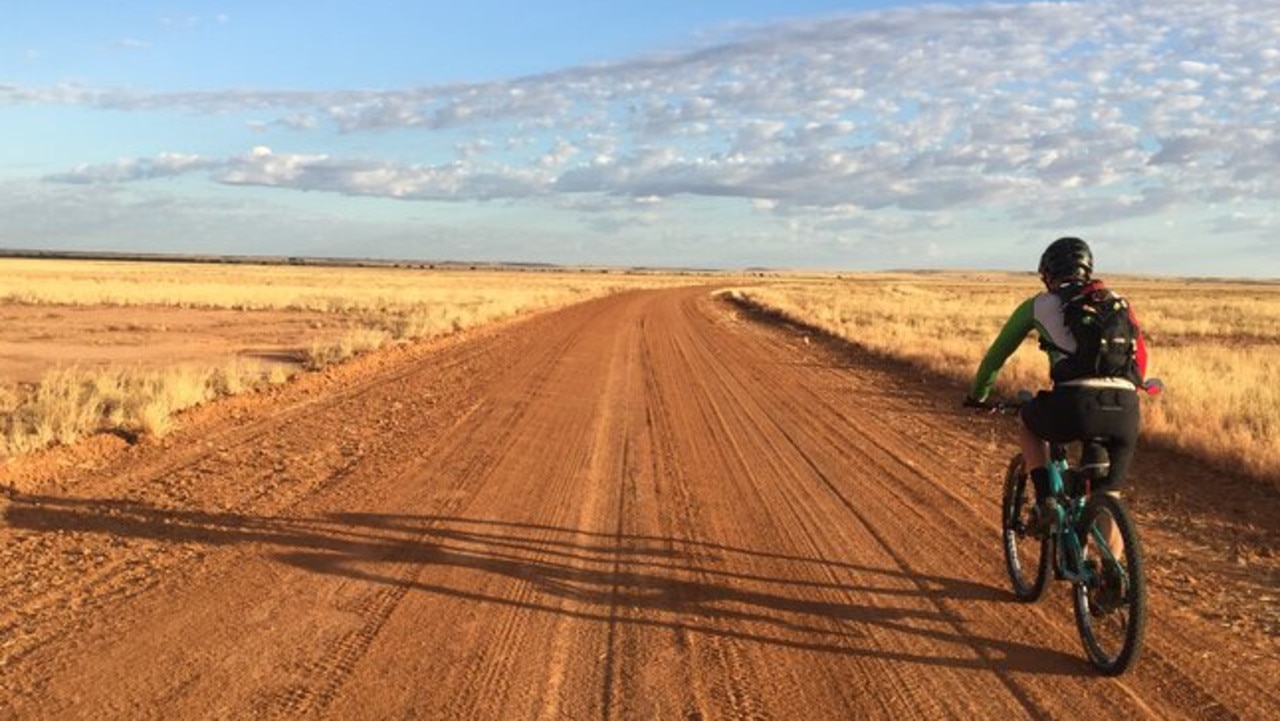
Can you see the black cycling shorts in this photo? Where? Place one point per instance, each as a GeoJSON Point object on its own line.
{"type": "Point", "coordinates": [1072, 413]}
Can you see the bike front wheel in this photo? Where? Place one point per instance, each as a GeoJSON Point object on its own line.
{"type": "Point", "coordinates": [1026, 557]}
{"type": "Point", "coordinates": [1111, 601]}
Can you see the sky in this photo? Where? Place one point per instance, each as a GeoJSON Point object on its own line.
{"type": "Point", "coordinates": [729, 134]}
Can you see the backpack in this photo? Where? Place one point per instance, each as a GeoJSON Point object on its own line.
{"type": "Point", "coordinates": [1106, 336]}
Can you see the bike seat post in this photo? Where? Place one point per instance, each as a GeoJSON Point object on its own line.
{"type": "Point", "coordinates": [1056, 479]}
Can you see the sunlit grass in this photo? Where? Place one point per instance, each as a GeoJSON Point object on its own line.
{"type": "Point", "coordinates": [440, 296]}
{"type": "Point", "coordinates": [70, 403]}
{"type": "Point", "coordinates": [1212, 343]}
{"type": "Point", "coordinates": [378, 306]}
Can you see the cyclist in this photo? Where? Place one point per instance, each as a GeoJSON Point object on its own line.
{"type": "Point", "coordinates": [1083, 404]}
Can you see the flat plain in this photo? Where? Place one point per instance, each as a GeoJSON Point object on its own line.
{"type": "Point", "coordinates": [653, 503]}
{"type": "Point", "coordinates": [107, 346]}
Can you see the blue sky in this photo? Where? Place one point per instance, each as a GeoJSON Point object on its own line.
{"type": "Point", "coordinates": [850, 135]}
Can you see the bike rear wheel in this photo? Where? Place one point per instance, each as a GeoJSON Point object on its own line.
{"type": "Point", "coordinates": [1026, 557]}
{"type": "Point", "coordinates": [1111, 604]}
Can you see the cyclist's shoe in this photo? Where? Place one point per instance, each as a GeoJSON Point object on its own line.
{"type": "Point", "coordinates": [1041, 520]}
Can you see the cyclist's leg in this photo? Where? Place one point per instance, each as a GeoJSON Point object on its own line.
{"type": "Point", "coordinates": [1114, 416]}
{"type": "Point", "coordinates": [1046, 418]}
{"type": "Point", "coordinates": [1035, 450]}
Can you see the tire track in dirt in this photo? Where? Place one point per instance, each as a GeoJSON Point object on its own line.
{"type": "Point", "coordinates": [790, 460]}
{"type": "Point", "coordinates": [592, 423]}
{"type": "Point", "coordinates": [687, 414]}
{"type": "Point", "coordinates": [497, 422]}
{"type": "Point", "coordinates": [489, 681]}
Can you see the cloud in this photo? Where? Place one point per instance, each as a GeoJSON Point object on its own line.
{"type": "Point", "coordinates": [180, 22]}
{"type": "Point", "coordinates": [140, 218]}
{"type": "Point", "coordinates": [262, 167]}
{"type": "Point", "coordinates": [165, 165]}
{"type": "Point", "coordinates": [1095, 210]}
{"type": "Point", "coordinates": [559, 156]}
{"type": "Point", "coordinates": [1085, 111]}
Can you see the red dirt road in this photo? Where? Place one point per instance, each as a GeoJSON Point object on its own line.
{"type": "Point", "coordinates": [646, 506]}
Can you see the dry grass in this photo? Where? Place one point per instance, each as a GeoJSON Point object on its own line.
{"type": "Point", "coordinates": [1212, 343]}
{"type": "Point", "coordinates": [397, 304]}
{"type": "Point", "coordinates": [378, 305]}
{"type": "Point", "coordinates": [434, 298]}
{"type": "Point", "coordinates": [73, 402]}
{"type": "Point", "coordinates": [354, 343]}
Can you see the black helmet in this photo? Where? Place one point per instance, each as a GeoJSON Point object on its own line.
{"type": "Point", "coordinates": [1066, 259]}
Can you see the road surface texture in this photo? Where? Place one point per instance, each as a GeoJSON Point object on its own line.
{"type": "Point", "coordinates": [651, 506]}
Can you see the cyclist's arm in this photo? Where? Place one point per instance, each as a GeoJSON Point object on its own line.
{"type": "Point", "coordinates": [1019, 325]}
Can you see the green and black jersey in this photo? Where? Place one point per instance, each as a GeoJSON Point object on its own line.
{"type": "Point", "coordinates": [1042, 313]}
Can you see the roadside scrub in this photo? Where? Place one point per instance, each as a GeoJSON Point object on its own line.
{"type": "Point", "coordinates": [71, 403]}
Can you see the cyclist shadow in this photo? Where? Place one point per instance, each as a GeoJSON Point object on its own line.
{"type": "Point", "coordinates": [644, 581]}
{"type": "Point", "coordinates": [701, 586]}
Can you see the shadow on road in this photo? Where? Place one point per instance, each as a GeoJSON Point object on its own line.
{"type": "Point", "coordinates": [688, 585]}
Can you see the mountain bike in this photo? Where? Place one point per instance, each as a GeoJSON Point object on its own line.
{"type": "Point", "coordinates": [1089, 540]}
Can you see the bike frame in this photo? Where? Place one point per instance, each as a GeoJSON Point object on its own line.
{"type": "Point", "coordinates": [1067, 548]}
